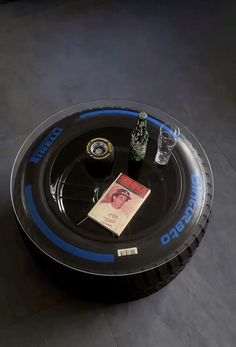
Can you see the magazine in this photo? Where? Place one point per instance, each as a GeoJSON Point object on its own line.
{"type": "Point", "coordinates": [119, 204]}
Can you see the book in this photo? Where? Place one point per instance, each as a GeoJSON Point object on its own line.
{"type": "Point", "coordinates": [119, 203]}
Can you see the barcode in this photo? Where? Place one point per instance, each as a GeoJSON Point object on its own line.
{"type": "Point", "coordinates": [127, 251]}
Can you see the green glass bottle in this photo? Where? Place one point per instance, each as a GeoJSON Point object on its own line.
{"type": "Point", "coordinates": [139, 139]}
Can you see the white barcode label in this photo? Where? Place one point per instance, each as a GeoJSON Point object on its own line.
{"type": "Point", "coordinates": [127, 251]}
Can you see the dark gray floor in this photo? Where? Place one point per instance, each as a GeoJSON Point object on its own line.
{"type": "Point", "coordinates": [172, 54]}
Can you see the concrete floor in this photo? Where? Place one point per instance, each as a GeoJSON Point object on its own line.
{"type": "Point", "coordinates": [177, 55]}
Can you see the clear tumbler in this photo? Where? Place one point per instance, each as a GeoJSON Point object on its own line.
{"type": "Point", "coordinates": [167, 139]}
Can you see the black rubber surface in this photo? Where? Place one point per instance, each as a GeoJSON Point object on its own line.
{"type": "Point", "coordinates": [53, 191]}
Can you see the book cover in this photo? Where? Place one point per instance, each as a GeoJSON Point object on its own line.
{"type": "Point", "coordinates": [119, 204]}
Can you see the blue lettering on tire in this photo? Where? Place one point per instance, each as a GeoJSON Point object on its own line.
{"type": "Point", "coordinates": [179, 227]}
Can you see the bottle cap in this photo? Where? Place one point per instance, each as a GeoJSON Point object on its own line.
{"type": "Point", "coordinates": [142, 115]}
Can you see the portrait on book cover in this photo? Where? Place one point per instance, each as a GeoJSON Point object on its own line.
{"type": "Point", "coordinates": [112, 209]}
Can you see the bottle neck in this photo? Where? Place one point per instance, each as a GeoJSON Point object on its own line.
{"type": "Point", "coordinates": [142, 123]}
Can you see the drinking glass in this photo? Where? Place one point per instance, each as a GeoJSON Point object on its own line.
{"type": "Point", "coordinates": [167, 139]}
